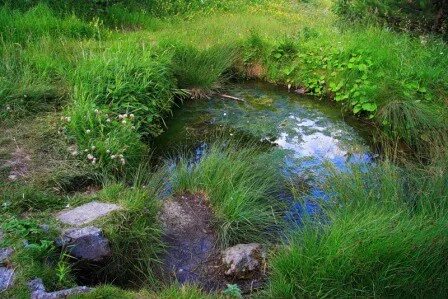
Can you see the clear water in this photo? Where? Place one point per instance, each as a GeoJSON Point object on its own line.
{"type": "Point", "coordinates": [310, 133]}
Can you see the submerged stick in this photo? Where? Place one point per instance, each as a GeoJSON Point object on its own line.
{"type": "Point", "coordinates": [226, 96]}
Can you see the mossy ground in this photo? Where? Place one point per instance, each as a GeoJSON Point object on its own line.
{"type": "Point", "coordinates": [84, 89]}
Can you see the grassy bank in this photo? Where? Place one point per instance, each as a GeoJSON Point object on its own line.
{"type": "Point", "coordinates": [383, 234]}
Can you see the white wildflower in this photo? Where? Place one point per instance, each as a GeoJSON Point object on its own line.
{"type": "Point", "coordinates": [88, 131]}
{"type": "Point", "coordinates": [93, 147]}
{"type": "Point", "coordinates": [123, 121]}
{"type": "Point", "coordinates": [108, 151]}
{"type": "Point", "coordinates": [90, 157]}
{"type": "Point", "coordinates": [131, 115]}
{"type": "Point", "coordinates": [108, 120]}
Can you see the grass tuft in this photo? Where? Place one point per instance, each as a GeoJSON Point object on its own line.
{"type": "Point", "coordinates": [241, 184]}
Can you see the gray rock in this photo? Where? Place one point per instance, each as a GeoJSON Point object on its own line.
{"type": "Point", "coordinates": [5, 254]}
{"type": "Point", "coordinates": [243, 260]}
{"type": "Point", "coordinates": [87, 243]}
{"type": "Point", "coordinates": [37, 289]}
{"type": "Point", "coordinates": [86, 213]}
{"type": "Point", "coordinates": [6, 278]}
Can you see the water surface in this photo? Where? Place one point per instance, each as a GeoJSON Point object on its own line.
{"type": "Point", "coordinates": [311, 133]}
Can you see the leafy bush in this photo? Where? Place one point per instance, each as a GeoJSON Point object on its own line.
{"type": "Point", "coordinates": [418, 15]}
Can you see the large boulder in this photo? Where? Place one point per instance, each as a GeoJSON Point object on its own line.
{"type": "Point", "coordinates": [243, 260]}
{"type": "Point", "coordinates": [38, 291]}
{"type": "Point", "coordinates": [87, 243]}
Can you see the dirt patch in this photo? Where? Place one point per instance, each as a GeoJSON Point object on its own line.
{"type": "Point", "coordinates": [255, 70]}
{"type": "Point", "coordinates": [17, 165]}
{"type": "Point", "coordinates": [193, 254]}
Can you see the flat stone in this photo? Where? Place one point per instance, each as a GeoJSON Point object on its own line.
{"type": "Point", "coordinates": [87, 243]}
{"type": "Point", "coordinates": [6, 278]}
{"type": "Point", "coordinates": [37, 289]}
{"type": "Point", "coordinates": [86, 213]}
{"type": "Point", "coordinates": [5, 254]}
{"type": "Point", "coordinates": [243, 260]}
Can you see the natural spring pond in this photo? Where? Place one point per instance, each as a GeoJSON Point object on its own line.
{"type": "Point", "coordinates": [309, 132]}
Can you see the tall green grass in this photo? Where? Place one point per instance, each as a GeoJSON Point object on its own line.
{"type": "Point", "coordinates": [241, 185]}
{"type": "Point", "coordinates": [384, 234]}
{"type": "Point", "coordinates": [201, 71]}
{"type": "Point", "coordinates": [134, 231]}
{"type": "Point", "coordinates": [24, 27]}
{"type": "Point", "coordinates": [121, 96]}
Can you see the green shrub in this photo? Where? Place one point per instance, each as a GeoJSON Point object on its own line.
{"type": "Point", "coordinates": [241, 185]}
{"type": "Point", "coordinates": [421, 16]}
{"type": "Point", "coordinates": [384, 234]}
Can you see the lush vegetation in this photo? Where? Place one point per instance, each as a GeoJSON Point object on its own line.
{"type": "Point", "coordinates": [416, 16]}
{"type": "Point", "coordinates": [378, 237]}
{"type": "Point", "coordinates": [85, 86]}
{"type": "Point", "coordinates": [241, 185]}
